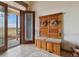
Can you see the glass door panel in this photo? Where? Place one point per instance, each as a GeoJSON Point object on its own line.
{"type": "Point", "coordinates": [2, 27]}
{"type": "Point", "coordinates": [13, 27]}
{"type": "Point", "coordinates": [28, 26]}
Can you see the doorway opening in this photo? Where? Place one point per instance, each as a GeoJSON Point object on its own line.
{"type": "Point", "coordinates": [16, 27]}
{"type": "Point", "coordinates": [27, 27]}
{"type": "Point", "coordinates": [13, 28]}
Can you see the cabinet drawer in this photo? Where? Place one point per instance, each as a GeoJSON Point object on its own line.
{"type": "Point", "coordinates": [49, 46]}
{"type": "Point", "coordinates": [44, 44]}
{"type": "Point", "coordinates": [56, 48]}
{"type": "Point", "coordinates": [39, 43]}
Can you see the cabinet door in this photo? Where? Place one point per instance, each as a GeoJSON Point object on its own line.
{"type": "Point", "coordinates": [44, 45]}
{"type": "Point", "coordinates": [56, 48]}
{"type": "Point", "coordinates": [44, 32]}
{"type": "Point", "coordinates": [49, 47]}
{"type": "Point", "coordinates": [44, 22]}
{"type": "Point", "coordinates": [55, 26]}
{"type": "Point", "coordinates": [39, 43]}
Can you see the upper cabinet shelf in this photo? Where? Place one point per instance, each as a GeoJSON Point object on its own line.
{"type": "Point", "coordinates": [50, 25]}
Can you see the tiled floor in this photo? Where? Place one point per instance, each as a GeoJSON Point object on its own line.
{"type": "Point", "coordinates": [27, 51]}
{"type": "Point", "coordinates": [13, 42]}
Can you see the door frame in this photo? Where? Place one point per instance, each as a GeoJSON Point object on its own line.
{"type": "Point", "coordinates": [4, 48]}
{"type": "Point", "coordinates": [22, 27]}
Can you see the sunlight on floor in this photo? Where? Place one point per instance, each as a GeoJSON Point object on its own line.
{"type": "Point", "coordinates": [13, 42]}
{"type": "Point", "coordinates": [27, 51]}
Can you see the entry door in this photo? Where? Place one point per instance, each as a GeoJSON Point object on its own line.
{"type": "Point", "coordinates": [27, 26]}
{"type": "Point", "coordinates": [3, 27]}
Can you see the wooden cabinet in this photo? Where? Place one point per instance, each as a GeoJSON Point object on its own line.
{"type": "Point", "coordinates": [39, 43]}
{"type": "Point", "coordinates": [52, 47]}
{"type": "Point", "coordinates": [44, 44]}
{"type": "Point", "coordinates": [44, 32]}
{"type": "Point", "coordinates": [49, 46]}
{"type": "Point", "coordinates": [56, 48]}
{"type": "Point", "coordinates": [51, 25]}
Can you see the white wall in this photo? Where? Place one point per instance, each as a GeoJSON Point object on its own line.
{"type": "Point", "coordinates": [71, 17]}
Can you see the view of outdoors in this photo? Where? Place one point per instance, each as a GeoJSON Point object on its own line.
{"type": "Point", "coordinates": [13, 29]}
{"type": "Point", "coordinates": [1, 26]}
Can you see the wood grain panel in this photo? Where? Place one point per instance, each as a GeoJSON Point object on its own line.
{"type": "Point", "coordinates": [39, 43]}
{"type": "Point", "coordinates": [52, 47]}
{"type": "Point", "coordinates": [56, 48]}
{"type": "Point", "coordinates": [44, 44]}
{"type": "Point", "coordinates": [51, 26]}
{"type": "Point", "coordinates": [49, 47]}
{"type": "Point", "coordinates": [44, 32]}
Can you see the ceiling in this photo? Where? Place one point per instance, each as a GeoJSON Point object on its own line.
{"type": "Point", "coordinates": [16, 5]}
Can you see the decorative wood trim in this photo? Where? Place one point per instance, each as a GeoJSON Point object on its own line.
{"type": "Point", "coordinates": [14, 7]}
{"type": "Point", "coordinates": [3, 4]}
{"type": "Point", "coordinates": [21, 26]}
{"type": "Point", "coordinates": [33, 26]}
{"type": "Point", "coordinates": [22, 3]}
{"type": "Point", "coordinates": [30, 12]}
{"type": "Point", "coordinates": [51, 15]}
{"type": "Point", "coordinates": [6, 25]}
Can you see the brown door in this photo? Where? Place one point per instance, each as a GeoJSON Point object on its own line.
{"type": "Point", "coordinates": [27, 26]}
{"type": "Point", "coordinates": [3, 27]}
